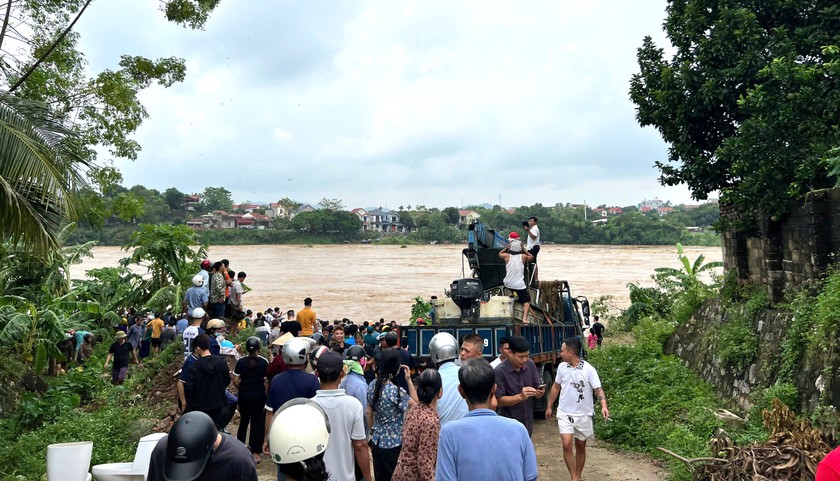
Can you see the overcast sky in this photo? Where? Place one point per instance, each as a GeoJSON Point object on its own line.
{"type": "Point", "coordinates": [393, 103]}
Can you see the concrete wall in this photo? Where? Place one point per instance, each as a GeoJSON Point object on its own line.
{"type": "Point", "coordinates": [696, 344]}
{"type": "Point", "coordinates": [790, 250]}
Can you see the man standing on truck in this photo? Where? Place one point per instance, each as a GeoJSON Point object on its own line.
{"type": "Point", "coordinates": [533, 244]}
{"type": "Point", "coordinates": [575, 383]}
{"type": "Point", "coordinates": [515, 261]}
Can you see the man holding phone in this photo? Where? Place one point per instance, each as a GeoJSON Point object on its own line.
{"type": "Point", "coordinates": [532, 232]}
{"type": "Point", "coordinates": [518, 383]}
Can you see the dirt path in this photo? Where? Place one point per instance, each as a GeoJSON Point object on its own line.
{"type": "Point", "coordinates": [602, 464]}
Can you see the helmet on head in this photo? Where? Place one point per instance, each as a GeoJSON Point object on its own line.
{"type": "Point", "coordinates": [295, 350]}
{"type": "Point", "coordinates": [300, 431]}
{"type": "Point", "coordinates": [253, 344]}
{"type": "Point", "coordinates": [318, 338]}
{"type": "Point", "coordinates": [315, 354]}
{"type": "Point", "coordinates": [443, 347]}
{"type": "Point", "coordinates": [205, 264]}
{"type": "Point", "coordinates": [354, 353]}
{"type": "Point", "coordinates": [189, 446]}
{"type": "Point", "coordinates": [197, 281]}
{"type": "Point", "coordinates": [215, 324]}
{"type": "Point", "coordinates": [198, 313]}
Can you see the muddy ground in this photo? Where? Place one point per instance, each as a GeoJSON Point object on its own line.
{"type": "Point", "coordinates": [602, 463]}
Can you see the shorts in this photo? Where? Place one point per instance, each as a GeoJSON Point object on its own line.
{"type": "Point", "coordinates": [118, 374]}
{"type": "Point", "coordinates": [522, 295]}
{"type": "Point", "coordinates": [155, 342]}
{"type": "Point", "coordinates": [534, 251]}
{"type": "Point", "coordinates": [580, 426]}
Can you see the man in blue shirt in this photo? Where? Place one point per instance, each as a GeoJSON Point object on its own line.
{"type": "Point", "coordinates": [443, 350]}
{"type": "Point", "coordinates": [509, 456]}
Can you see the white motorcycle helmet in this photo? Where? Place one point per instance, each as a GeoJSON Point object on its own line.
{"type": "Point", "coordinates": [197, 281]}
{"type": "Point", "coordinates": [443, 347]}
{"type": "Point", "coordinates": [296, 350]}
{"type": "Point", "coordinates": [300, 430]}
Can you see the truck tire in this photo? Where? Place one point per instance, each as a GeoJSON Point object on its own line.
{"type": "Point", "coordinates": [547, 376]}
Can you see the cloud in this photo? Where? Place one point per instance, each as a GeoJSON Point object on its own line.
{"type": "Point", "coordinates": [395, 103]}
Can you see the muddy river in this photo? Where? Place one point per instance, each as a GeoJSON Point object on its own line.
{"type": "Point", "coordinates": [363, 282]}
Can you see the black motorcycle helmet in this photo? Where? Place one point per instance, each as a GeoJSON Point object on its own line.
{"type": "Point", "coordinates": [318, 338]}
{"type": "Point", "coordinates": [354, 353]}
{"type": "Point", "coordinates": [189, 446]}
{"type": "Point", "coordinates": [253, 344]}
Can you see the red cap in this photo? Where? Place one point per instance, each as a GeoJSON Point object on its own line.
{"type": "Point", "coordinates": [513, 235]}
{"type": "Point", "coordinates": [205, 263]}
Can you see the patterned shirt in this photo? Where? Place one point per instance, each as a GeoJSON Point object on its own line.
{"type": "Point", "coordinates": [217, 287]}
{"type": "Point", "coordinates": [420, 444]}
{"type": "Point", "coordinates": [388, 415]}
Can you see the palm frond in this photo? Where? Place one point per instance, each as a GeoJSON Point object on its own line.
{"type": "Point", "coordinates": [41, 167]}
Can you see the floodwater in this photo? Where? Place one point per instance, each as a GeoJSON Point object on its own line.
{"type": "Point", "coordinates": [368, 282]}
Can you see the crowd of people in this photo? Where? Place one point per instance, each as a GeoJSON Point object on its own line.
{"type": "Point", "coordinates": [384, 418]}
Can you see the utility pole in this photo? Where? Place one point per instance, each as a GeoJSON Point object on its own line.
{"type": "Point", "coordinates": [584, 209]}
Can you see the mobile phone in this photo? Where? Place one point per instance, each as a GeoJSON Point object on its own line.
{"type": "Point", "coordinates": [542, 386]}
{"type": "Point", "coordinates": [524, 223]}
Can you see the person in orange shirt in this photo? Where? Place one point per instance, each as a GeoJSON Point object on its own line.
{"type": "Point", "coordinates": [307, 319]}
{"type": "Point", "coordinates": [156, 325]}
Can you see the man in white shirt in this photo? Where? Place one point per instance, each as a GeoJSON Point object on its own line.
{"type": "Point", "coordinates": [575, 383]}
{"type": "Point", "coordinates": [533, 244]}
{"type": "Point", "coordinates": [236, 291]}
{"type": "Point", "coordinates": [504, 352]}
{"type": "Point", "coordinates": [347, 428]}
{"type": "Point", "coordinates": [515, 261]}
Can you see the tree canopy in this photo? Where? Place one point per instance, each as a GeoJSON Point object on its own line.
{"type": "Point", "coordinates": [748, 102]}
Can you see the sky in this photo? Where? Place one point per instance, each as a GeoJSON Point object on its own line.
{"type": "Point", "coordinates": [391, 103]}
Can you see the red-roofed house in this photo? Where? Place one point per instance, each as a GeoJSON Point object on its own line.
{"type": "Point", "coordinates": [665, 210]}
{"type": "Point", "coordinates": [615, 211]}
{"type": "Point", "coordinates": [601, 211]}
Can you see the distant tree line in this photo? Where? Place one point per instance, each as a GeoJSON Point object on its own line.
{"type": "Point", "coordinates": [110, 213]}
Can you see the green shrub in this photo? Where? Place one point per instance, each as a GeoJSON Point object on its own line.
{"type": "Point", "coordinates": [651, 334]}
{"type": "Point", "coordinates": [654, 401]}
{"type": "Point", "coordinates": [737, 342]}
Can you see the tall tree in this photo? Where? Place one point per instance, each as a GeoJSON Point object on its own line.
{"type": "Point", "coordinates": [216, 198]}
{"type": "Point", "coordinates": [748, 102]}
{"type": "Point", "coordinates": [174, 198]}
{"type": "Point", "coordinates": [47, 145]}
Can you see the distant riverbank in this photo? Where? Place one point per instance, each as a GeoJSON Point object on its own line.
{"type": "Point", "coordinates": [120, 235]}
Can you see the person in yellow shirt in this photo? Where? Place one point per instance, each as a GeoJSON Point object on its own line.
{"type": "Point", "coordinates": [156, 325]}
{"type": "Point", "coordinates": [307, 319]}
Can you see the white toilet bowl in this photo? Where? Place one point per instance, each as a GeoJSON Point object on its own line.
{"type": "Point", "coordinates": [133, 471]}
{"type": "Point", "coordinates": [69, 461]}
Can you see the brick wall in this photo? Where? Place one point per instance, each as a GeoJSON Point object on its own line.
{"type": "Point", "coordinates": [789, 250]}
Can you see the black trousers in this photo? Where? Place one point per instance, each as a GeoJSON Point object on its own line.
{"type": "Point", "coordinates": [384, 462]}
{"type": "Point", "coordinates": [251, 405]}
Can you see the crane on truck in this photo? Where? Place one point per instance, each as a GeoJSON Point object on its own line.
{"type": "Point", "coordinates": [481, 304]}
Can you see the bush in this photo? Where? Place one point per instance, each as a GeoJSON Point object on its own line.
{"type": "Point", "coordinates": [655, 401]}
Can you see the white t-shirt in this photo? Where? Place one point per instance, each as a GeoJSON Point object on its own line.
{"type": "Point", "coordinates": [190, 333]}
{"type": "Point", "coordinates": [495, 363]}
{"type": "Point", "coordinates": [236, 291]}
{"type": "Point", "coordinates": [346, 424]}
{"type": "Point", "coordinates": [533, 242]}
{"type": "Point", "coordinates": [576, 388]}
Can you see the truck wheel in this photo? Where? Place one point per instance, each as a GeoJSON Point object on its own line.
{"type": "Point", "coordinates": [547, 376]}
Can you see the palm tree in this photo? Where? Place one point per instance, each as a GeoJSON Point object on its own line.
{"type": "Point", "coordinates": [41, 168]}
